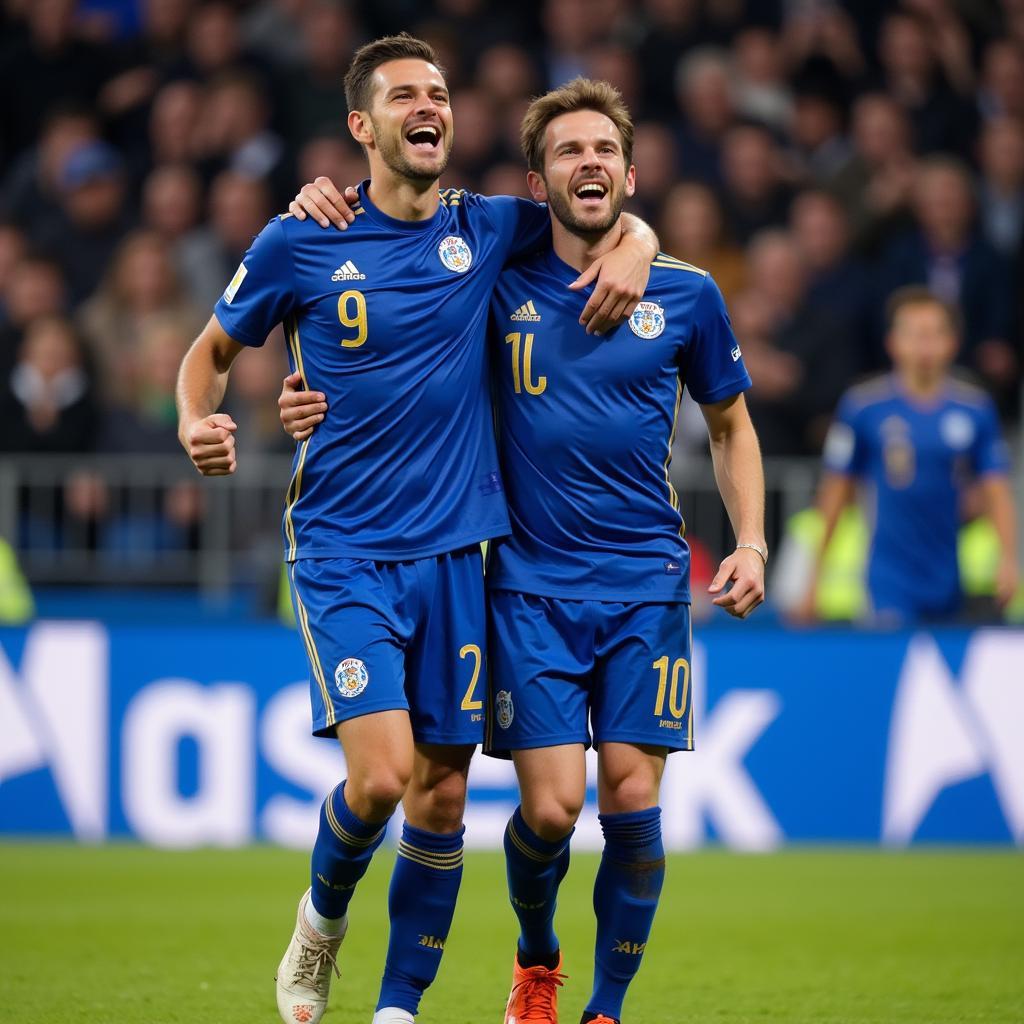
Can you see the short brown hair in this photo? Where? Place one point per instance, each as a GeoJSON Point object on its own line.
{"type": "Point", "coordinates": [579, 94]}
{"type": "Point", "coordinates": [359, 77]}
{"type": "Point", "coordinates": [918, 295]}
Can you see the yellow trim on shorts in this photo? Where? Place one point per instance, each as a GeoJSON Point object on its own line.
{"type": "Point", "coordinates": [311, 651]}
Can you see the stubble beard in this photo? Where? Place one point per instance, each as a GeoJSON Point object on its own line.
{"type": "Point", "coordinates": [391, 152]}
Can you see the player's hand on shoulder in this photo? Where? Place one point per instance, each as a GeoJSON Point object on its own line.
{"type": "Point", "coordinates": [321, 200]}
{"type": "Point", "coordinates": [744, 569]}
{"type": "Point", "coordinates": [621, 280]}
{"type": "Point", "coordinates": [300, 410]}
{"type": "Point", "coordinates": [210, 443]}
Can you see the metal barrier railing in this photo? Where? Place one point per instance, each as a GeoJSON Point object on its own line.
{"type": "Point", "coordinates": [150, 519]}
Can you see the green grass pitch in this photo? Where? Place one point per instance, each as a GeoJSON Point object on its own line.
{"type": "Point", "coordinates": [127, 935]}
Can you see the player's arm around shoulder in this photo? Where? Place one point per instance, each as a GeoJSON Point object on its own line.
{"type": "Point", "coordinates": [620, 277]}
{"type": "Point", "coordinates": [205, 434]}
{"type": "Point", "coordinates": [737, 460]}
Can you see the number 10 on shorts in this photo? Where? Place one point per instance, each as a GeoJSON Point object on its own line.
{"type": "Point", "coordinates": [677, 690]}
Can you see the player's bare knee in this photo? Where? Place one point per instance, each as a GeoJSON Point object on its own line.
{"type": "Point", "coordinates": [554, 816]}
{"type": "Point", "coordinates": [374, 795]}
{"type": "Point", "coordinates": [438, 807]}
{"type": "Point", "coordinates": [630, 792]}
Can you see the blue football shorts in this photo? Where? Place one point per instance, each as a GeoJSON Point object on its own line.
{"type": "Point", "coordinates": [587, 671]}
{"type": "Point", "coordinates": [382, 636]}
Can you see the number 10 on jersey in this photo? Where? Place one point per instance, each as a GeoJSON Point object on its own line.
{"type": "Point", "coordinates": [522, 371]}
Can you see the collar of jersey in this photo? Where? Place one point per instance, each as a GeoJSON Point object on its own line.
{"type": "Point", "coordinates": [561, 270]}
{"type": "Point", "coordinates": [379, 217]}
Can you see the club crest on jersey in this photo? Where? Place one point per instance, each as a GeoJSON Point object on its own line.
{"type": "Point", "coordinates": [957, 429]}
{"type": "Point", "coordinates": [647, 321]}
{"type": "Point", "coordinates": [503, 709]}
{"type": "Point", "coordinates": [351, 677]}
{"type": "Point", "coordinates": [455, 254]}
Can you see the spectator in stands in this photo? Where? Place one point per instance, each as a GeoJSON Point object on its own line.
{"type": "Point", "coordinates": [478, 136]}
{"type": "Point", "coordinates": [704, 94]}
{"type": "Point", "coordinates": [239, 207]}
{"type": "Point", "coordinates": [692, 229]}
{"type": "Point", "coordinates": [46, 403]}
{"type": "Point", "coordinates": [314, 96]}
{"type": "Point", "coordinates": [570, 30]}
{"type": "Point", "coordinates": [935, 98]}
{"type": "Point", "coordinates": [43, 66]}
{"type": "Point", "coordinates": [946, 252]}
{"type": "Point", "coordinates": [172, 201]}
{"type": "Point", "coordinates": [800, 357]}
{"type": "Point", "coordinates": [615, 63]}
{"type": "Point", "coordinates": [1001, 189]}
{"type": "Point", "coordinates": [234, 133]}
{"type": "Point", "coordinates": [273, 30]}
{"type": "Point", "coordinates": [143, 417]}
{"type": "Point", "coordinates": [505, 179]}
{"type": "Point", "coordinates": [31, 188]}
{"type": "Point", "coordinates": [34, 288]}
{"type": "Point", "coordinates": [824, 34]}
{"type": "Point", "coordinates": [507, 74]}
{"type": "Point", "coordinates": [1001, 91]}
{"type": "Point", "coordinates": [213, 40]}
{"type": "Point", "coordinates": [669, 28]}
{"type": "Point", "coordinates": [333, 156]}
{"type": "Point", "coordinates": [837, 280]}
{"type": "Point", "coordinates": [818, 148]}
{"type": "Point", "coordinates": [754, 195]}
{"type": "Point", "coordinates": [876, 182]}
{"type": "Point", "coordinates": [94, 218]}
{"type": "Point", "coordinates": [140, 284]}
{"type": "Point", "coordinates": [654, 151]}
{"type": "Point", "coordinates": [146, 422]}
{"type": "Point", "coordinates": [173, 122]}
{"type": "Point", "coordinates": [12, 252]}
{"type": "Point", "coordinates": [763, 93]}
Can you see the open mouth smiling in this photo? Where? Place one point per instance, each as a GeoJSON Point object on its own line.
{"type": "Point", "coordinates": [424, 137]}
{"type": "Point", "coordinates": [590, 192]}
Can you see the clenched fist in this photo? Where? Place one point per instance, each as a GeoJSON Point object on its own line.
{"type": "Point", "coordinates": [210, 443]}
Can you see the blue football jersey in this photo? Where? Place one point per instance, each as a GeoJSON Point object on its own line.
{"type": "Point", "coordinates": [915, 459]}
{"type": "Point", "coordinates": [389, 320]}
{"type": "Point", "coordinates": [586, 429]}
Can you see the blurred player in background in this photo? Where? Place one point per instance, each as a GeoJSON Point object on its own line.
{"type": "Point", "coordinates": [590, 594]}
{"type": "Point", "coordinates": [918, 438]}
{"type": "Point", "coordinates": [389, 500]}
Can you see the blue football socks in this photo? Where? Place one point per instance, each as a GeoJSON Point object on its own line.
{"type": "Point", "coordinates": [535, 868]}
{"type": "Point", "coordinates": [626, 895]}
{"type": "Point", "coordinates": [344, 847]}
{"type": "Point", "coordinates": [421, 903]}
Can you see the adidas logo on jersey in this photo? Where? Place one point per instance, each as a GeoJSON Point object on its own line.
{"type": "Point", "coordinates": [348, 271]}
{"type": "Point", "coordinates": [526, 312]}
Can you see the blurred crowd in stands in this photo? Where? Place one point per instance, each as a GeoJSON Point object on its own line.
{"type": "Point", "coordinates": [812, 155]}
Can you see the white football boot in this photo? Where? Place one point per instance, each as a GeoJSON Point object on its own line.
{"type": "Point", "coordinates": [304, 974]}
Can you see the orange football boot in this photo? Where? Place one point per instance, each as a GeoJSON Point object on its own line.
{"type": "Point", "coordinates": [601, 1019]}
{"type": "Point", "coordinates": [534, 995]}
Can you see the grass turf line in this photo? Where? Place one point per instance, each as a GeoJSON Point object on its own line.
{"type": "Point", "coordinates": [135, 936]}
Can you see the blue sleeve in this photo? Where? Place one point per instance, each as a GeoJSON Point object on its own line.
{"type": "Point", "coordinates": [262, 291]}
{"type": "Point", "coordinates": [845, 448]}
{"type": "Point", "coordinates": [989, 453]}
{"type": "Point", "coordinates": [524, 226]}
{"type": "Point", "coordinates": [712, 365]}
